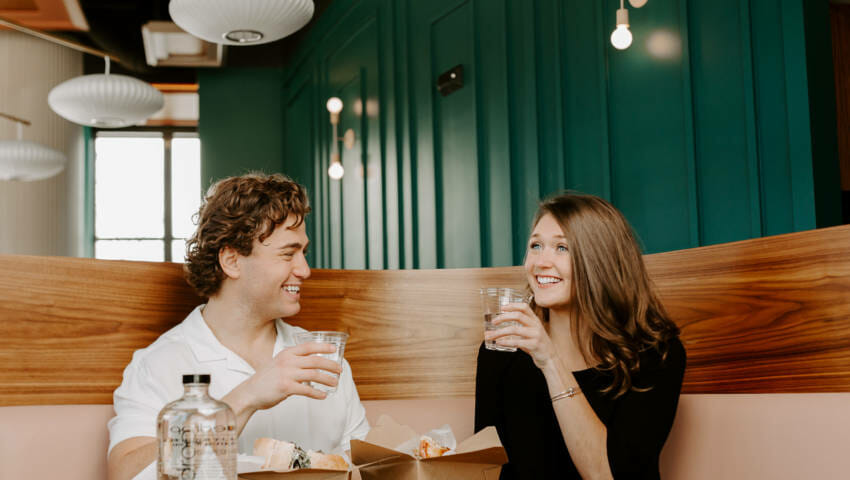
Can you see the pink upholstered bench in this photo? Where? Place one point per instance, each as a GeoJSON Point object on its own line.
{"type": "Point", "coordinates": [762, 436]}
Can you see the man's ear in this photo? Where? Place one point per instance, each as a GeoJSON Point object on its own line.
{"type": "Point", "coordinates": [228, 258]}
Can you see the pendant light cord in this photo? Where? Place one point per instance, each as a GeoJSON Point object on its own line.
{"type": "Point", "coordinates": [19, 123]}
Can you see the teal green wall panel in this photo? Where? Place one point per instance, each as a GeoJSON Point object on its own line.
{"type": "Point", "coordinates": [648, 132]}
{"type": "Point", "coordinates": [727, 162]}
{"type": "Point", "coordinates": [454, 132]}
{"type": "Point", "coordinates": [241, 116]}
{"type": "Point", "coordinates": [584, 44]}
{"type": "Point", "coordinates": [712, 127]}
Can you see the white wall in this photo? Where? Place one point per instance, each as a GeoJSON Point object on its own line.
{"type": "Point", "coordinates": [43, 217]}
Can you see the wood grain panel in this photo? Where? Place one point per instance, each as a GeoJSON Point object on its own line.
{"type": "Point", "coordinates": [763, 315]}
{"type": "Point", "coordinates": [69, 326]}
{"type": "Point", "coordinates": [758, 316]}
{"type": "Point", "coordinates": [414, 333]}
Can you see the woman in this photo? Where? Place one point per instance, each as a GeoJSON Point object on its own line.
{"type": "Point", "coordinates": [593, 389]}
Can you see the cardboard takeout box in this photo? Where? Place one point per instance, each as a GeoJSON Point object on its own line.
{"type": "Point", "coordinates": [480, 456]}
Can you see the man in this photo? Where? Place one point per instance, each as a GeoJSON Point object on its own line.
{"type": "Point", "coordinates": [247, 257]}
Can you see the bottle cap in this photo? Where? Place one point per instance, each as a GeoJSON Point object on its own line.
{"type": "Point", "coordinates": [196, 378]}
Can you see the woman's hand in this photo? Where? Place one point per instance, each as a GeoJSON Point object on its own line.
{"type": "Point", "coordinates": [528, 335]}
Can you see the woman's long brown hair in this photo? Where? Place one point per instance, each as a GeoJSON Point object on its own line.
{"type": "Point", "coordinates": [615, 311]}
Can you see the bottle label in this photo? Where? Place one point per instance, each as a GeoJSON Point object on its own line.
{"type": "Point", "coordinates": [199, 452]}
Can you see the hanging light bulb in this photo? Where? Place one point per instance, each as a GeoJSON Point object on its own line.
{"type": "Point", "coordinates": [335, 171]}
{"type": "Point", "coordinates": [637, 3]}
{"type": "Point", "coordinates": [621, 38]}
{"type": "Point", "coordinates": [334, 105]}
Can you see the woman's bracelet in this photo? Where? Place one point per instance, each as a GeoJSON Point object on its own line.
{"type": "Point", "coordinates": [568, 393]}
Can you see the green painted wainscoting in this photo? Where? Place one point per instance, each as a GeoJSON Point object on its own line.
{"type": "Point", "coordinates": [240, 121]}
{"type": "Point", "coordinates": [701, 132]}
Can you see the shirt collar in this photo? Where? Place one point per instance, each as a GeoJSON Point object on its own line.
{"type": "Point", "coordinates": [206, 347]}
{"type": "Point", "coordinates": [285, 336]}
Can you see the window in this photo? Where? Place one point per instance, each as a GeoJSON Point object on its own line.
{"type": "Point", "coordinates": [147, 187]}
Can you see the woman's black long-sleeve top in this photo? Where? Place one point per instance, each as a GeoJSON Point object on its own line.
{"type": "Point", "coordinates": [511, 394]}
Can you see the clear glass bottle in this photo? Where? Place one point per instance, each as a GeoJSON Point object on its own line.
{"type": "Point", "coordinates": [196, 435]}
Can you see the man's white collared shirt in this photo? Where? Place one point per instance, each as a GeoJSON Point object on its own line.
{"type": "Point", "coordinates": [154, 378]}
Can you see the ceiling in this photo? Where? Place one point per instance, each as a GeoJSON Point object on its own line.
{"type": "Point", "coordinates": [115, 26]}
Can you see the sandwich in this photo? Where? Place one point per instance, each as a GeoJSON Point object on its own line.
{"type": "Point", "coordinates": [285, 456]}
{"type": "Point", "coordinates": [429, 448]}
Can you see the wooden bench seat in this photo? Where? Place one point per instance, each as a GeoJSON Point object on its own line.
{"type": "Point", "coordinates": [766, 323]}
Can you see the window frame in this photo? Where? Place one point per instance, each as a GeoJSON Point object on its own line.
{"type": "Point", "coordinates": [168, 134]}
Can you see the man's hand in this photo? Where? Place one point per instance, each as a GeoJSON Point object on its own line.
{"type": "Point", "coordinates": [288, 372]}
{"type": "Point", "coordinates": [285, 375]}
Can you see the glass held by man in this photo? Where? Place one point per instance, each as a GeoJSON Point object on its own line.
{"type": "Point", "coordinates": [336, 339]}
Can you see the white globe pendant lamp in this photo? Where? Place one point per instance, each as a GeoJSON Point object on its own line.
{"type": "Point", "coordinates": [242, 22]}
{"type": "Point", "coordinates": [105, 100]}
{"type": "Point", "coordinates": [27, 161]}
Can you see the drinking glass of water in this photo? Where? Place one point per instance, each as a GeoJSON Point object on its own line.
{"type": "Point", "coordinates": [337, 339]}
{"type": "Point", "coordinates": [492, 301]}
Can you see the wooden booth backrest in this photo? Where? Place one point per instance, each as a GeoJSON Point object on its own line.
{"type": "Point", "coordinates": [759, 316]}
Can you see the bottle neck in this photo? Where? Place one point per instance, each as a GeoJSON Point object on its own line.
{"type": "Point", "coordinates": [196, 389]}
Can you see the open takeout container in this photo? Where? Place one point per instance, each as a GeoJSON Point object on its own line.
{"type": "Point", "coordinates": [480, 456]}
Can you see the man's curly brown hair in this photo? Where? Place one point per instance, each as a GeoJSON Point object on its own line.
{"type": "Point", "coordinates": [235, 211]}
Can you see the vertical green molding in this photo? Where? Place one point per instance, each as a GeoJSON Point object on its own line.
{"type": "Point", "coordinates": [552, 171]}
{"type": "Point", "coordinates": [413, 139]}
{"type": "Point", "coordinates": [88, 194]}
{"type": "Point", "coordinates": [753, 166]}
{"type": "Point", "coordinates": [612, 194]}
{"type": "Point", "coordinates": [799, 136]}
{"type": "Point", "coordinates": [320, 176]}
{"type": "Point", "coordinates": [494, 160]}
{"type": "Point", "coordinates": [481, 135]}
{"type": "Point", "coordinates": [364, 156]}
{"type": "Point", "coordinates": [390, 198]}
{"type": "Point", "coordinates": [604, 137]}
{"type": "Point", "coordinates": [522, 120]}
{"type": "Point", "coordinates": [688, 114]}
{"type": "Point", "coordinates": [438, 191]}
{"type": "Point", "coordinates": [406, 180]}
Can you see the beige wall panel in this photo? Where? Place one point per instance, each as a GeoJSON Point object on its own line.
{"type": "Point", "coordinates": [43, 217]}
